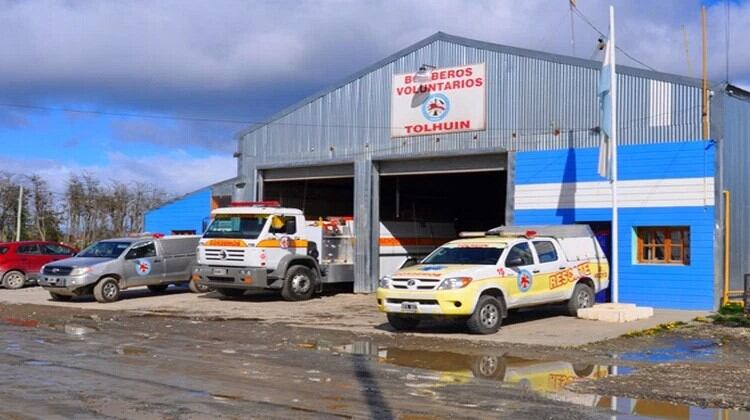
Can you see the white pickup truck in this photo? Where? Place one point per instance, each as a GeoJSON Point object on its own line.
{"type": "Point", "coordinates": [478, 279]}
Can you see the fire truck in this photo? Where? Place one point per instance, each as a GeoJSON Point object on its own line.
{"type": "Point", "coordinates": [261, 245]}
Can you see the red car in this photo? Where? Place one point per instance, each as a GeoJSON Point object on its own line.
{"type": "Point", "coordinates": [20, 262]}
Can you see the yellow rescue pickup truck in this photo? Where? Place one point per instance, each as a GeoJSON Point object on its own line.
{"type": "Point", "coordinates": [481, 277]}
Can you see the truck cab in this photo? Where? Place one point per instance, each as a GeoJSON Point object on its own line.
{"type": "Point", "coordinates": [480, 278]}
{"type": "Point", "coordinates": [260, 245]}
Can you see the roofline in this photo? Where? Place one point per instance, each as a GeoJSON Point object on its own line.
{"type": "Point", "coordinates": [736, 92]}
{"type": "Point", "coordinates": [471, 43]}
{"type": "Point", "coordinates": [180, 197]}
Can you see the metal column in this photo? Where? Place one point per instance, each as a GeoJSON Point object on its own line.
{"type": "Point", "coordinates": [365, 204]}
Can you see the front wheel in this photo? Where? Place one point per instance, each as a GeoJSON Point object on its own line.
{"type": "Point", "coordinates": [107, 290]}
{"type": "Point", "coordinates": [196, 287]}
{"type": "Point", "coordinates": [299, 284]}
{"type": "Point", "coordinates": [487, 316]}
{"type": "Point", "coordinates": [403, 323]}
{"type": "Point", "coordinates": [14, 280]}
{"type": "Point", "coordinates": [583, 297]}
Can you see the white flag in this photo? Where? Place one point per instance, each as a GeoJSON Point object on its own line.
{"type": "Point", "coordinates": [605, 113]}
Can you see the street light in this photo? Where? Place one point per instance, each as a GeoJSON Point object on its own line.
{"type": "Point", "coordinates": [422, 75]}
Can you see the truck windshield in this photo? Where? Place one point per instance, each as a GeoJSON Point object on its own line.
{"type": "Point", "coordinates": [105, 249]}
{"type": "Point", "coordinates": [236, 226]}
{"type": "Point", "coordinates": [464, 255]}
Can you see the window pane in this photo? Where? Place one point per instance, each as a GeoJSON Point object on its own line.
{"type": "Point", "coordinates": [676, 254]}
{"type": "Point", "coordinates": [519, 255]}
{"type": "Point", "coordinates": [676, 236]}
{"type": "Point", "coordinates": [659, 236]}
{"type": "Point", "coordinates": [646, 236]}
{"type": "Point", "coordinates": [648, 253]}
{"type": "Point", "coordinates": [659, 253]}
{"type": "Point", "coordinates": [546, 251]}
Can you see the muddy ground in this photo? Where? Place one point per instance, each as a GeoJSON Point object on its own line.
{"type": "Point", "coordinates": [86, 363]}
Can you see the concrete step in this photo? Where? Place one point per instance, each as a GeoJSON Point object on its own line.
{"type": "Point", "coordinates": [616, 312]}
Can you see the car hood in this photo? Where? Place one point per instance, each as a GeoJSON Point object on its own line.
{"type": "Point", "coordinates": [79, 262]}
{"type": "Point", "coordinates": [438, 271]}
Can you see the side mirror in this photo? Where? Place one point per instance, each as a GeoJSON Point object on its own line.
{"type": "Point", "coordinates": [514, 262]}
{"type": "Point", "coordinates": [409, 262]}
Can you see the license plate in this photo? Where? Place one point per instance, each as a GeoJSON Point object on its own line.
{"type": "Point", "coordinates": [220, 271]}
{"type": "Point", "coordinates": [410, 307]}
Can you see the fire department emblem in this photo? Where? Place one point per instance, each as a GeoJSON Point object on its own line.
{"type": "Point", "coordinates": [524, 280]}
{"type": "Point", "coordinates": [436, 107]}
{"type": "Point", "coordinates": [142, 267]}
{"type": "Point", "coordinates": [285, 242]}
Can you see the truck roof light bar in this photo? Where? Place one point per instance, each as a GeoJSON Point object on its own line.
{"type": "Point", "coordinates": [269, 203]}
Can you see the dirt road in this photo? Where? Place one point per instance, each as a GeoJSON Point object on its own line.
{"type": "Point", "coordinates": [65, 363]}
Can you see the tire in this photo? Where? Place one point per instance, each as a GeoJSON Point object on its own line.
{"type": "Point", "coordinates": [489, 367]}
{"type": "Point", "coordinates": [157, 288]}
{"type": "Point", "coordinates": [231, 292]}
{"type": "Point", "coordinates": [583, 371]}
{"type": "Point", "coordinates": [299, 283]}
{"type": "Point", "coordinates": [197, 288]}
{"type": "Point", "coordinates": [14, 280]}
{"type": "Point", "coordinates": [60, 298]}
{"type": "Point", "coordinates": [107, 290]}
{"type": "Point", "coordinates": [487, 316]}
{"type": "Point", "coordinates": [583, 297]}
{"type": "Point", "coordinates": [403, 323]}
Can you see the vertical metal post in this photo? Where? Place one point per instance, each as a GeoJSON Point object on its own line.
{"type": "Point", "coordinates": [704, 49]}
{"type": "Point", "coordinates": [727, 244]}
{"type": "Point", "coordinates": [615, 223]}
{"type": "Point", "coordinates": [20, 209]}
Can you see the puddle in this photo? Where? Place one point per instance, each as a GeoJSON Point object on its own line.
{"type": "Point", "coordinates": [546, 378]}
{"type": "Point", "coordinates": [37, 363]}
{"type": "Point", "coordinates": [677, 350]}
{"type": "Point", "coordinates": [78, 330]}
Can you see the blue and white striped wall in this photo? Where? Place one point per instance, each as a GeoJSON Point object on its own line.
{"type": "Point", "coordinates": [667, 184]}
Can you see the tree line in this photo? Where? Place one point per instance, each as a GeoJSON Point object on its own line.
{"type": "Point", "coordinates": [88, 210]}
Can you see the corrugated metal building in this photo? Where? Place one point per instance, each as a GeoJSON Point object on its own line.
{"type": "Point", "coordinates": [534, 160]}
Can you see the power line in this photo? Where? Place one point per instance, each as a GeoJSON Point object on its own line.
{"type": "Point", "coordinates": [602, 34]}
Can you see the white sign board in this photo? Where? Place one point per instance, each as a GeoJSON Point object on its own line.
{"type": "Point", "coordinates": [449, 100]}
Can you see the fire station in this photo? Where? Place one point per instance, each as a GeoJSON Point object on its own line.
{"type": "Point", "coordinates": [452, 134]}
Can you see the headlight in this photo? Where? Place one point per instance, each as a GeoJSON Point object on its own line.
{"type": "Point", "coordinates": [79, 271]}
{"type": "Point", "coordinates": [385, 282]}
{"type": "Point", "coordinates": [455, 283]}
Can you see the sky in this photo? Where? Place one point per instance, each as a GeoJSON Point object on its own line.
{"type": "Point", "coordinates": [185, 76]}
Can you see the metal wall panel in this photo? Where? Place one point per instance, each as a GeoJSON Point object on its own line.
{"type": "Point", "coordinates": [732, 130]}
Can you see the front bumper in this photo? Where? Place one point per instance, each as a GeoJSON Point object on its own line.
{"type": "Point", "coordinates": [459, 302]}
{"type": "Point", "coordinates": [233, 277]}
{"type": "Point", "coordinates": [65, 285]}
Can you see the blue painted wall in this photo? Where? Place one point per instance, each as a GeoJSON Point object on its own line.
{"type": "Point", "coordinates": [185, 213]}
{"type": "Point", "coordinates": [662, 286]}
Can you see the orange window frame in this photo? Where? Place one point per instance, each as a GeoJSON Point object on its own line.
{"type": "Point", "coordinates": [667, 246]}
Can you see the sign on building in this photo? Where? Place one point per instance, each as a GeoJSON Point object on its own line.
{"type": "Point", "coordinates": [449, 100]}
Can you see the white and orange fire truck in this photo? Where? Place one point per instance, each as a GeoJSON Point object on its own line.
{"type": "Point", "coordinates": [260, 245]}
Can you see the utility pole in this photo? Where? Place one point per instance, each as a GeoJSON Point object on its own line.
{"type": "Point", "coordinates": [20, 209]}
{"type": "Point", "coordinates": [704, 112]}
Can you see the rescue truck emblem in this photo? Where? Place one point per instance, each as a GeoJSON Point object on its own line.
{"type": "Point", "coordinates": [143, 267]}
{"type": "Point", "coordinates": [436, 107]}
{"type": "Point", "coordinates": [525, 279]}
{"type": "Point", "coordinates": [432, 268]}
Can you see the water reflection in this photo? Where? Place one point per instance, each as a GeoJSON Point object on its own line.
{"type": "Point", "coordinates": [547, 378]}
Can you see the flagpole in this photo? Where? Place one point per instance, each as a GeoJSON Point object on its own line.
{"type": "Point", "coordinates": [613, 179]}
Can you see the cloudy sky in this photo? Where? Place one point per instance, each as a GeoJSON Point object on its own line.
{"type": "Point", "coordinates": [241, 61]}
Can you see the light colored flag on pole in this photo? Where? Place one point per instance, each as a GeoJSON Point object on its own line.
{"type": "Point", "coordinates": [605, 113]}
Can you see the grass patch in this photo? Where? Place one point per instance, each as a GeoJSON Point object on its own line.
{"type": "Point", "coordinates": [731, 315]}
{"type": "Point", "coordinates": [661, 328]}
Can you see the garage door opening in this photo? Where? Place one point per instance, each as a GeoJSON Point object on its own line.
{"type": "Point", "coordinates": [421, 212]}
{"type": "Point", "coordinates": [317, 198]}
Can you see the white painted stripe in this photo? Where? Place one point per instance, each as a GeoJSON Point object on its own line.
{"type": "Point", "coordinates": [673, 192]}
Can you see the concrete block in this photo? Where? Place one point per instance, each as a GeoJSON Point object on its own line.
{"type": "Point", "coordinates": [616, 312]}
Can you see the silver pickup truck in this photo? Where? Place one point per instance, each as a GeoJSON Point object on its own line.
{"type": "Point", "coordinates": [108, 266]}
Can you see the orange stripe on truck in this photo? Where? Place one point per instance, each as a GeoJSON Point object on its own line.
{"type": "Point", "coordinates": [225, 242]}
{"type": "Point", "coordinates": [275, 243]}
